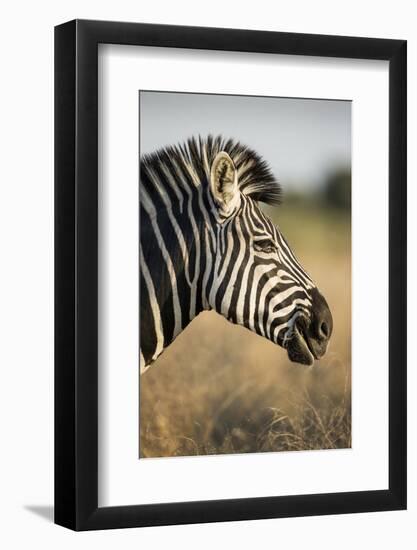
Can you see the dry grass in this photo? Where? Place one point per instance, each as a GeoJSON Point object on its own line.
{"type": "Point", "coordinates": [222, 389]}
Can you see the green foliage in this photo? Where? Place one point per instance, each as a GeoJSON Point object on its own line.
{"type": "Point", "coordinates": [337, 189]}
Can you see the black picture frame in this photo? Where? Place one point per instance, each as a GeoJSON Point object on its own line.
{"type": "Point", "coordinates": [76, 272]}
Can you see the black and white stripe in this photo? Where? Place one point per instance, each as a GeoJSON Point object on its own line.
{"type": "Point", "coordinates": [206, 244]}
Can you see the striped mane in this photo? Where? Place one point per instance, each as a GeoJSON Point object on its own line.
{"type": "Point", "coordinates": [192, 160]}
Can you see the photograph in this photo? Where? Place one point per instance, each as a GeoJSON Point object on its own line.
{"type": "Point", "coordinates": [245, 274]}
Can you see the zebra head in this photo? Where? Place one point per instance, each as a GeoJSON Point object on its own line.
{"type": "Point", "coordinates": [257, 280]}
{"type": "Point", "coordinates": [206, 244]}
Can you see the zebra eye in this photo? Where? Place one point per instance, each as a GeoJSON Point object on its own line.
{"type": "Point", "coordinates": [267, 247]}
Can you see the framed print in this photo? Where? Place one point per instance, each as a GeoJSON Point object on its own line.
{"type": "Point", "coordinates": [230, 275]}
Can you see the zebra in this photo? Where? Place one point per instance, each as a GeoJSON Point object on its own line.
{"type": "Point", "coordinates": [205, 244]}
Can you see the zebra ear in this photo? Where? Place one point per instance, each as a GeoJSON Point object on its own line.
{"type": "Point", "coordinates": [223, 183]}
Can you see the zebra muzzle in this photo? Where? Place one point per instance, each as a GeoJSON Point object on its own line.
{"type": "Point", "coordinates": [310, 337]}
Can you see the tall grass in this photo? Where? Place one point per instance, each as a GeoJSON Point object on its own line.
{"type": "Point", "coordinates": [221, 389]}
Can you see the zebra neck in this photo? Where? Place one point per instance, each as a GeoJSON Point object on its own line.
{"type": "Point", "coordinates": [174, 276]}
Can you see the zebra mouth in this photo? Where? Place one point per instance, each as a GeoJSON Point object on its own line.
{"type": "Point", "coordinates": [298, 345]}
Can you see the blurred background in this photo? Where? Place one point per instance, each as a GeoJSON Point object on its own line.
{"type": "Point", "coordinates": [220, 388]}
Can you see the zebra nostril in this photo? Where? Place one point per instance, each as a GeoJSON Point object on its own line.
{"type": "Point", "coordinates": [322, 321]}
{"type": "Point", "coordinates": [324, 329]}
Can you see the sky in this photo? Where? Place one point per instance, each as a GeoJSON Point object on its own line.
{"type": "Point", "coordinates": [302, 140]}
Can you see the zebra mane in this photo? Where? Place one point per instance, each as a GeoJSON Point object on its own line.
{"type": "Point", "coordinates": [194, 159]}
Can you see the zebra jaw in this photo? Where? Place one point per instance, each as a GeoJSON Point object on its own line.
{"type": "Point", "coordinates": [297, 343]}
